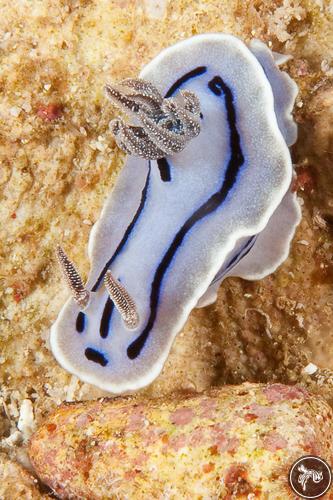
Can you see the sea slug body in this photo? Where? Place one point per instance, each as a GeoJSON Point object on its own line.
{"type": "Point", "coordinates": [173, 228]}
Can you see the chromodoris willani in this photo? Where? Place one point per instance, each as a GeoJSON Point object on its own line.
{"type": "Point", "coordinates": [219, 204]}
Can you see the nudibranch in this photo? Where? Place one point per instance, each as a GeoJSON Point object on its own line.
{"type": "Point", "coordinates": [212, 200]}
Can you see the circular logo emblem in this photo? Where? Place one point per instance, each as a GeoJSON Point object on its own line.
{"type": "Point", "coordinates": [310, 477]}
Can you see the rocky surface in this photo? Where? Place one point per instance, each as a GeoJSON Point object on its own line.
{"type": "Point", "coordinates": [232, 442]}
{"type": "Point", "coordinates": [59, 162]}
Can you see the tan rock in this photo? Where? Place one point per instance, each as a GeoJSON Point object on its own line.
{"type": "Point", "coordinates": [16, 483]}
{"type": "Point", "coordinates": [232, 442]}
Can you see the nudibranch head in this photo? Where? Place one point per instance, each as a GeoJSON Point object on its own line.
{"type": "Point", "coordinates": [179, 222]}
{"type": "Point", "coordinates": [166, 125]}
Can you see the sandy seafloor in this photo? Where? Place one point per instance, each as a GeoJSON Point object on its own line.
{"type": "Point", "coordinates": [58, 162]}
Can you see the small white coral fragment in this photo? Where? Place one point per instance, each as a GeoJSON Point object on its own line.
{"type": "Point", "coordinates": [310, 369]}
{"type": "Point", "coordinates": [26, 422]}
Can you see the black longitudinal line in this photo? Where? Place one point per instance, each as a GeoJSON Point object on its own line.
{"type": "Point", "coordinates": [164, 168]}
{"type": "Point", "coordinates": [80, 322]}
{"type": "Point", "coordinates": [127, 232]}
{"type": "Point", "coordinates": [106, 317]}
{"type": "Point", "coordinates": [121, 244]}
{"type": "Point", "coordinates": [200, 70]}
{"type": "Point", "coordinates": [217, 86]}
{"type": "Point", "coordinates": [162, 163]}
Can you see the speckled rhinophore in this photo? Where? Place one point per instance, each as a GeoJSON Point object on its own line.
{"type": "Point", "coordinates": [73, 279]}
{"type": "Point", "coordinates": [122, 300]}
{"type": "Point", "coordinates": [232, 442]}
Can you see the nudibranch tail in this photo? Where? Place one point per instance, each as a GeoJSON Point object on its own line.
{"type": "Point", "coordinates": [80, 294]}
{"type": "Point", "coordinates": [166, 124]}
{"type": "Point", "coordinates": [122, 300]}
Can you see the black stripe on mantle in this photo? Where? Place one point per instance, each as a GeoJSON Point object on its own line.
{"type": "Point", "coordinates": [127, 232]}
{"type": "Point", "coordinates": [218, 87]}
{"type": "Point", "coordinates": [164, 168]}
{"type": "Point", "coordinates": [80, 320]}
{"type": "Point", "coordinates": [162, 163]}
{"type": "Point", "coordinates": [106, 317]}
{"type": "Point", "coordinates": [95, 356]}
